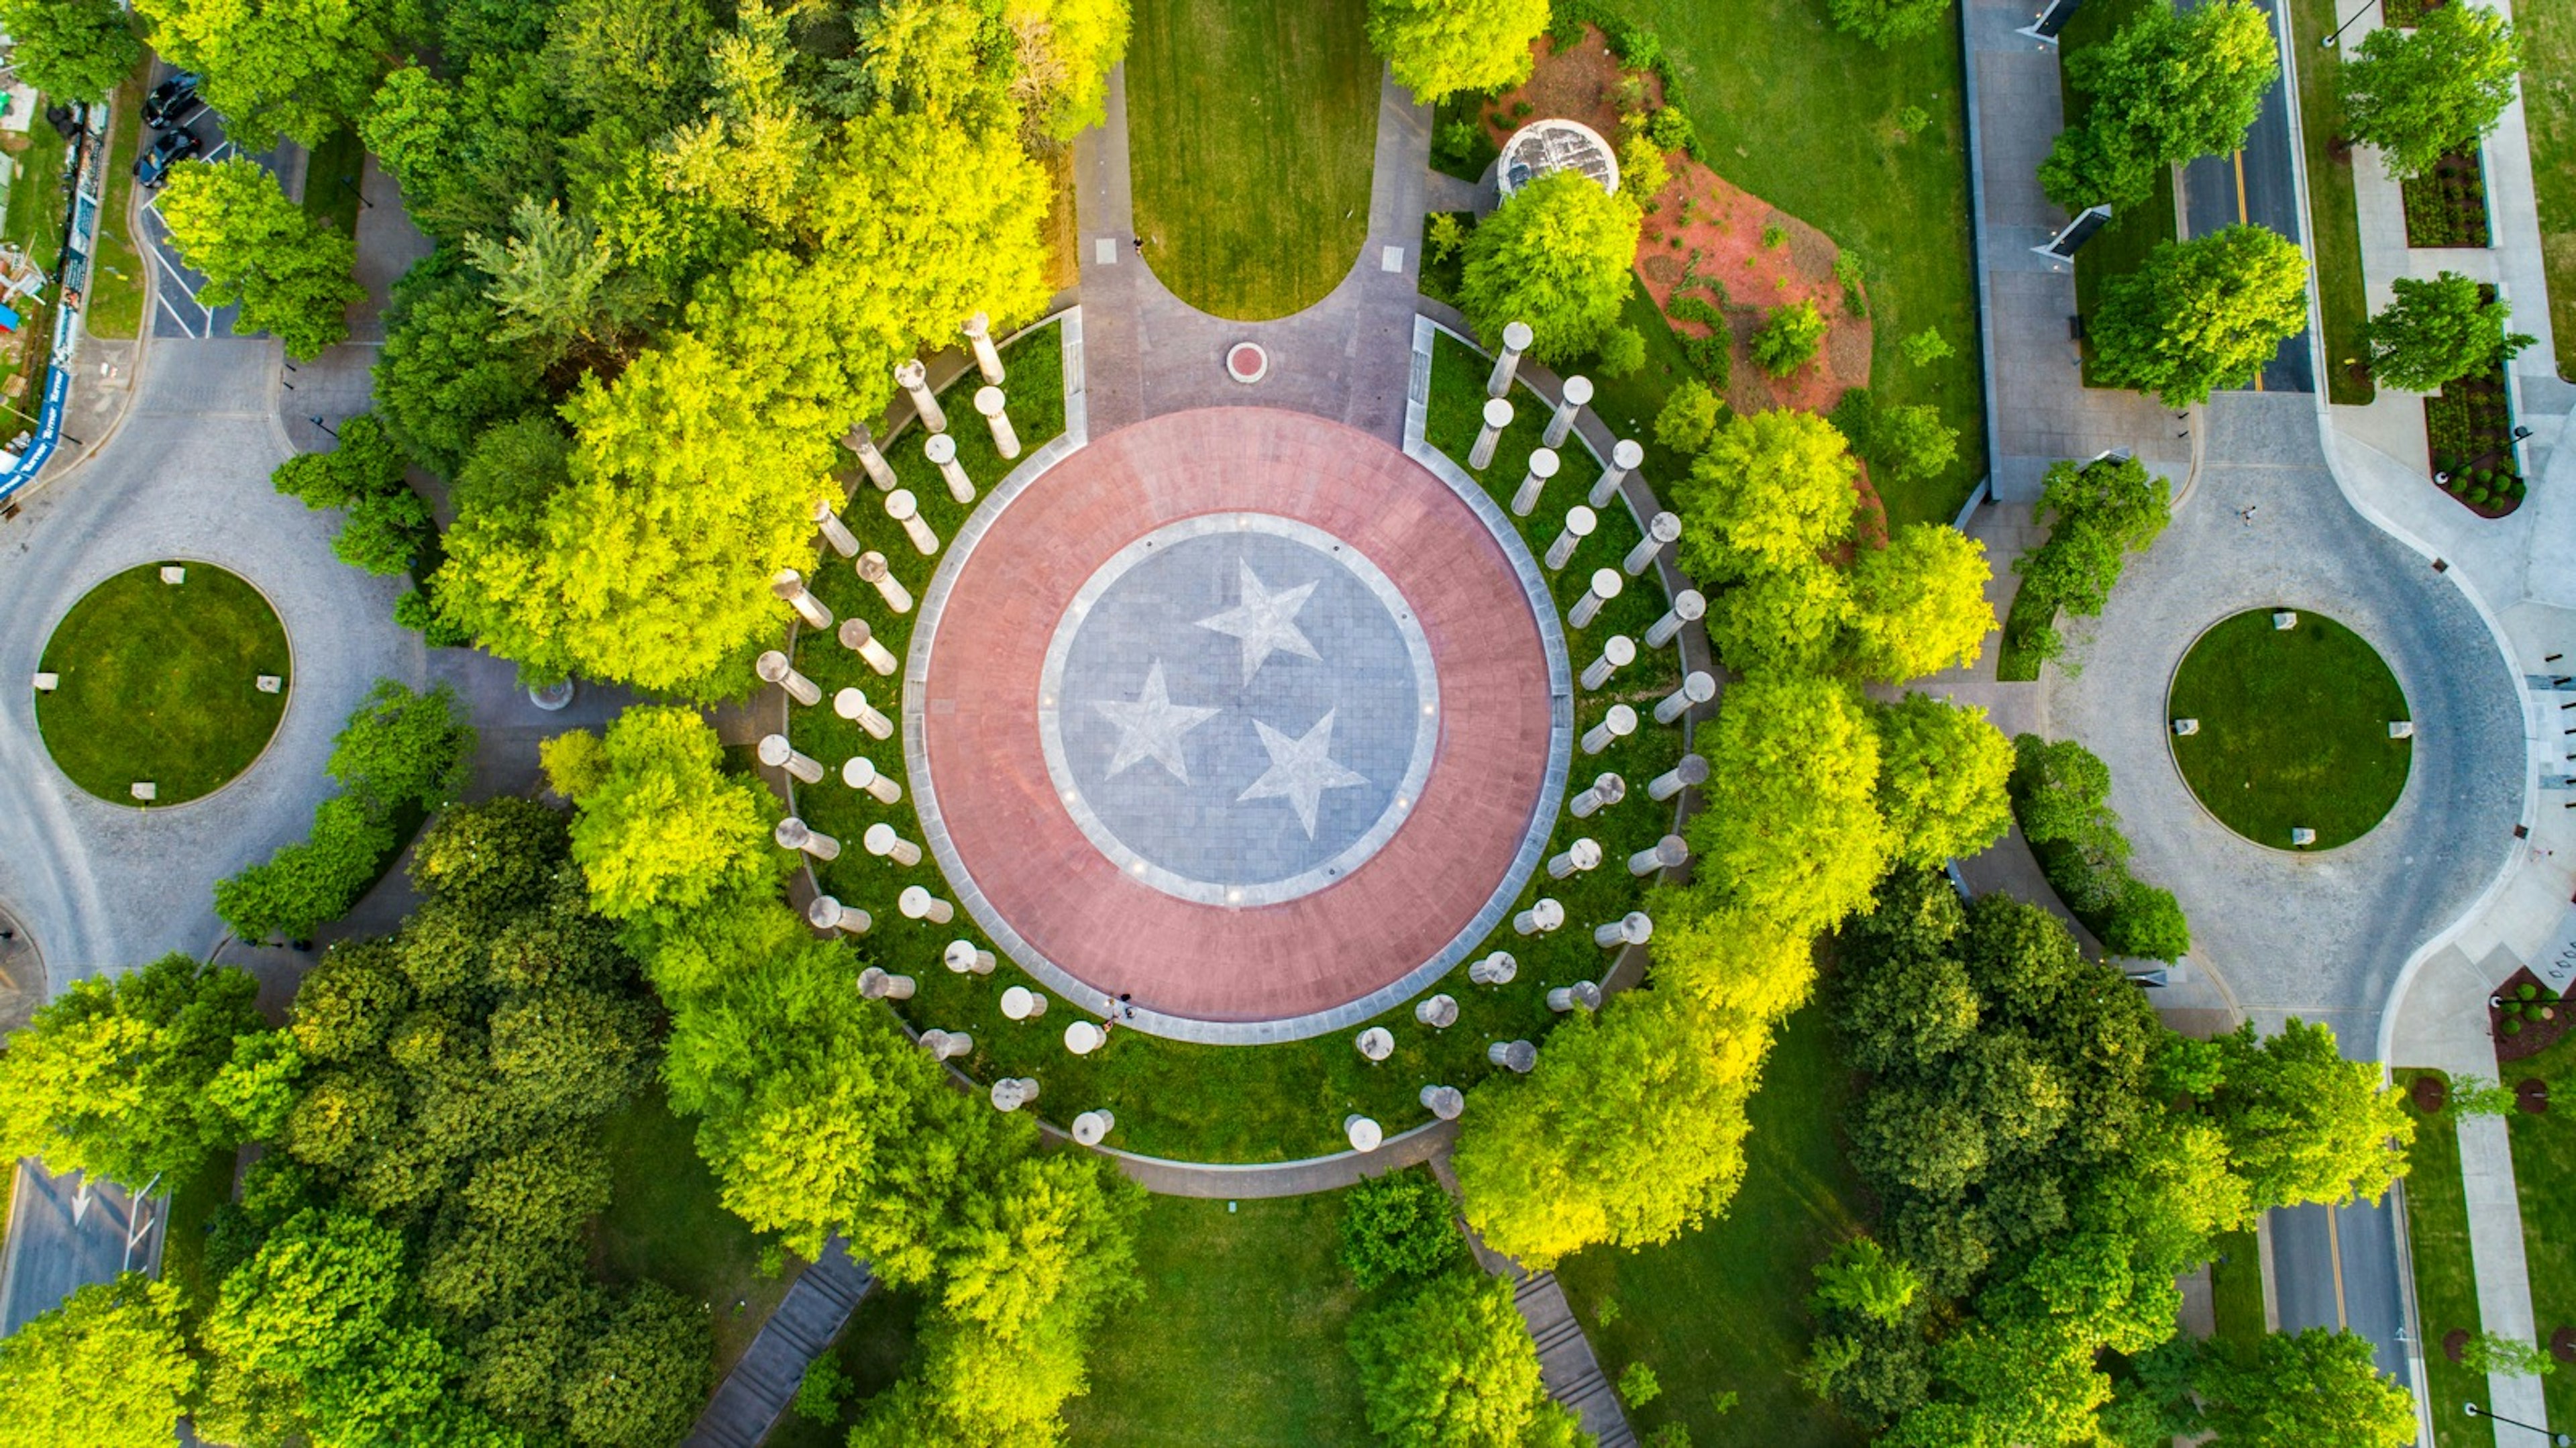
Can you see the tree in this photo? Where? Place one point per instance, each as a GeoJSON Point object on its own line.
{"type": "Point", "coordinates": [661, 827]}
{"type": "Point", "coordinates": [1438, 48]}
{"type": "Point", "coordinates": [1065, 49]}
{"type": "Point", "coordinates": [299, 66]}
{"type": "Point", "coordinates": [1789, 829]}
{"type": "Point", "coordinates": [2421, 94]}
{"type": "Point", "coordinates": [73, 50]}
{"type": "Point", "coordinates": [2100, 512]}
{"type": "Point", "coordinates": [1884, 23]}
{"type": "Point", "coordinates": [387, 524]}
{"type": "Point", "coordinates": [496, 857]}
{"type": "Point", "coordinates": [1556, 256]}
{"type": "Point", "coordinates": [2311, 1390]}
{"type": "Point", "coordinates": [1919, 604]}
{"type": "Point", "coordinates": [1782, 621]}
{"type": "Point", "coordinates": [310, 883]}
{"type": "Point", "coordinates": [557, 284]}
{"type": "Point", "coordinates": [1861, 1277]}
{"type": "Point", "coordinates": [1941, 774]}
{"type": "Point", "coordinates": [289, 273]}
{"type": "Point", "coordinates": [2433, 331]}
{"type": "Point", "coordinates": [2305, 1125]}
{"type": "Point", "coordinates": [645, 1377]}
{"type": "Point", "coordinates": [110, 1077]}
{"type": "Point", "coordinates": [108, 1368]}
{"type": "Point", "coordinates": [1630, 1132]}
{"type": "Point", "coordinates": [1788, 338]}
{"type": "Point", "coordinates": [644, 57]}
{"type": "Point", "coordinates": [1911, 441]}
{"type": "Point", "coordinates": [2165, 89]}
{"type": "Point", "coordinates": [445, 380]}
{"type": "Point", "coordinates": [1399, 1227]}
{"type": "Point", "coordinates": [1772, 489]}
{"type": "Point", "coordinates": [2494, 1354]}
{"type": "Point", "coordinates": [2201, 314]}
{"type": "Point", "coordinates": [1689, 416]}
{"type": "Point", "coordinates": [402, 750]}
{"type": "Point", "coordinates": [1449, 1366]}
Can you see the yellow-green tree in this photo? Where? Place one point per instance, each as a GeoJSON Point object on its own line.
{"type": "Point", "coordinates": [108, 1368]}
{"type": "Point", "coordinates": [1438, 48]}
{"type": "Point", "coordinates": [1941, 774]}
{"type": "Point", "coordinates": [1771, 490]}
{"type": "Point", "coordinates": [1919, 604]}
{"type": "Point", "coordinates": [1789, 828]}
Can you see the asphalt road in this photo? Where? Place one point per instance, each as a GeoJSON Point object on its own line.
{"type": "Point", "coordinates": [2258, 185]}
{"type": "Point", "coordinates": [62, 1238]}
{"type": "Point", "coordinates": [2336, 1267]}
{"type": "Point", "coordinates": [176, 312]}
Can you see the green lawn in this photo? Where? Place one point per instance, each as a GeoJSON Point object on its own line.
{"type": "Point", "coordinates": [2121, 247]}
{"type": "Point", "coordinates": [1806, 117]}
{"type": "Point", "coordinates": [2446, 1289]}
{"type": "Point", "coordinates": [871, 1352]}
{"type": "Point", "coordinates": [2544, 1173]}
{"type": "Point", "coordinates": [159, 683]}
{"type": "Point", "coordinates": [1238, 1338]}
{"type": "Point", "coordinates": [2293, 729]}
{"type": "Point", "coordinates": [2335, 250]}
{"type": "Point", "coordinates": [2236, 1289]}
{"type": "Point", "coordinates": [34, 222]}
{"type": "Point", "coordinates": [2548, 35]}
{"type": "Point", "coordinates": [117, 269]}
{"type": "Point", "coordinates": [1251, 129]}
{"type": "Point", "coordinates": [331, 180]}
{"type": "Point", "coordinates": [194, 1197]}
{"type": "Point", "coordinates": [1723, 1309]}
{"type": "Point", "coordinates": [665, 1222]}
{"type": "Point", "coordinates": [1231, 1103]}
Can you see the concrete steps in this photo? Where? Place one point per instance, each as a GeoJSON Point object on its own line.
{"type": "Point", "coordinates": [752, 1398]}
{"type": "Point", "coordinates": [1565, 1362]}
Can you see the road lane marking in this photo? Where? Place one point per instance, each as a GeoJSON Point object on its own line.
{"type": "Point", "coordinates": [2246, 218]}
{"type": "Point", "coordinates": [2334, 1238]}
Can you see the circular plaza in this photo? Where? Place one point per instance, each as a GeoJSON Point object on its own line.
{"type": "Point", "coordinates": [1241, 719]}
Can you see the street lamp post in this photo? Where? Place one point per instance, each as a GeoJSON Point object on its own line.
{"type": "Point", "coordinates": [2474, 1411]}
{"type": "Point", "coordinates": [2329, 42]}
{"type": "Point", "coordinates": [316, 420]}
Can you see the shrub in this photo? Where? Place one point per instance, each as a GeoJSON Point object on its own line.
{"type": "Point", "coordinates": [1641, 48]}
{"type": "Point", "coordinates": [2061, 795]}
{"type": "Point", "coordinates": [1926, 347]}
{"type": "Point", "coordinates": [1690, 413]}
{"type": "Point", "coordinates": [1789, 338]}
{"type": "Point", "coordinates": [1671, 129]}
{"type": "Point", "coordinates": [1622, 352]}
{"type": "Point", "coordinates": [818, 1397]}
{"type": "Point", "coordinates": [1638, 1386]}
{"type": "Point", "coordinates": [1399, 1227]}
{"type": "Point", "coordinates": [1642, 172]}
{"type": "Point", "coordinates": [1775, 237]}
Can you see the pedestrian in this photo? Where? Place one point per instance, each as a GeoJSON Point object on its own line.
{"type": "Point", "coordinates": [1127, 1005]}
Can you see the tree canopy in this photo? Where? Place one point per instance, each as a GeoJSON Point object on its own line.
{"type": "Point", "coordinates": [1438, 48]}
{"type": "Point", "coordinates": [2440, 87]}
{"type": "Point", "coordinates": [1771, 489]}
{"type": "Point", "coordinates": [2166, 88]}
{"type": "Point", "coordinates": [107, 1368]}
{"type": "Point", "coordinates": [289, 273]}
{"type": "Point", "coordinates": [303, 67]}
{"type": "Point", "coordinates": [2201, 314]}
{"type": "Point", "coordinates": [1556, 256]}
{"type": "Point", "coordinates": [2434, 331]}
{"type": "Point", "coordinates": [1450, 1366]}
{"type": "Point", "coordinates": [73, 50]}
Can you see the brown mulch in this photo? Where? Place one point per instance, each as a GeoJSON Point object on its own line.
{"type": "Point", "coordinates": [2562, 1344]}
{"type": "Point", "coordinates": [2538, 1032]}
{"type": "Point", "coordinates": [2431, 1094]}
{"type": "Point", "coordinates": [2455, 1342]}
{"type": "Point", "coordinates": [2532, 1096]}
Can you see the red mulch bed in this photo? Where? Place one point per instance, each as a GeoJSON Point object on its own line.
{"type": "Point", "coordinates": [2562, 1344]}
{"type": "Point", "coordinates": [2538, 1034]}
{"type": "Point", "coordinates": [2531, 1096]}
{"type": "Point", "coordinates": [2455, 1342]}
{"type": "Point", "coordinates": [2431, 1094]}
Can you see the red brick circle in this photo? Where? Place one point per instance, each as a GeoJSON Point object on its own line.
{"type": "Point", "coordinates": [980, 749]}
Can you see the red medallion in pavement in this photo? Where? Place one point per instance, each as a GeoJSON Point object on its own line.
{"type": "Point", "coordinates": [1446, 850]}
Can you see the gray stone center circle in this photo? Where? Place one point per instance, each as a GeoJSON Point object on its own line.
{"type": "Point", "coordinates": [1238, 709]}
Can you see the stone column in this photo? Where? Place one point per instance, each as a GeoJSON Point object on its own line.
{"type": "Point", "coordinates": [1091, 1126]}
{"type": "Point", "coordinates": [851, 704]}
{"type": "Point", "coordinates": [1699, 688]}
{"type": "Point", "coordinates": [1606, 584]}
{"type": "Point", "coordinates": [860, 639]}
{"type": "Point", "coordinates": [1579, 523]}
{"type": "Point", "coordinates": [1517, 1057]}
{"type": "Point", "coordinates": [1578, 391]}
{"type": "Point", "coordinates": [941, 449]}
{"type": "Point", "coordinates": [1669, 853]}
{"type": "Point", "coordinates": [773, 668]}
{"type": "Point", "coordinates": [1542, 918]}
{"type": "Point", "coordinates": [1608, 790]}
{"type": "Point", "coordinates": [1661, 530]}
{"type": "Point", "coordinates": [777, 753]}
{"type": "Point", "coordinates": [914, 379]}
{"type": "Point", "coordinates": [878, 985]}
{"type": "Point", "coordinates": [861, 773]}
{"type": "Point", "coordinates": [1692, 770]}
{"type": "Point", "coordinates": [881, 841]}
{"type": "Point", "coordinates": [1498, 415]}
{"type": "Point", "coordinates": [1517, 337]}
{"type": "Point", "coordinates": [1495, 969]}
{"type": "Point", "coordinates": [1019, 1003]}
{"type": "Point", "coordinates": [1440, 1012]}
{"type": "Point", "coordinates": [794, 834]}
{"type": "Point", "coordinates": [1006, 439]}
{"type": "Point", "coordinates": [1543, 463]}
{"type": "Point", "coordinates": [1687, 607]}
{"type": "Point", "coordinates": [943, 1044]}
{"type": "Point", "coordinates": [988, 359]}
{"type": "Point", "coordinates": [835, 532]}
{"type": "Point", "coordinates": [901, 506]}
{"type": "Point", "coordinates": [1582, 995]}
{"type": "Point", "coordinates": [874, 573]}
{"type": "Point", "coordinates": [1082, 1037]}
{"type": "Point", "coordinates": [879, 471]}
{"type": "Point", "coordinates": [1362, 1133]}
{"type": "Point", "coordinates": [1013, 1092]}
{"type": "Point", "coordinates": [1633, 929]}
{"type": "Point", "coordinates": [1444, 1102]}
{"type": "Point", "coordinates": [788, 586]}
{"type": "Point", "coordinates": [1618, 653]}
{"type": "Point", "coordinates": [1582, 855]}
{"type": "Point", "coordinates": [965, 957]}
{"type": "Point", "coordinates": [827, 913]}
{"type": "Point", "coordinates": [918, 904]}
{"type": "Point", "coordinates": [1376, 1043]}
{"type": "Point", "coordinates": [1618, 724]}
{"type": "Point", "coordinates": [1625, 455]}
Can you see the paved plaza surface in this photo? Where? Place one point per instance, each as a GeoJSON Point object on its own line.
{"type": "Point", "coordinates": [1239, 712]}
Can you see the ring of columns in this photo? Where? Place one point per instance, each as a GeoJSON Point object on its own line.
{"type": "Point", "coordinates": [1074, 914]}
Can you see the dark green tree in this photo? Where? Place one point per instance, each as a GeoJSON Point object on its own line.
{"type": "Point", "coordinates": [2438, 88]}
{"type": "Point", "coordinates": [2433, 331]}
{"type": "Point", "coordinates": [2165, 89]}
{"type": "Point", "coordinates": [1399, 1227]}
{"type": "Point", "coordinates": [73, 50]}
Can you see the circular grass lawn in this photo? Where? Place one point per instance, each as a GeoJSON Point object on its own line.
{"type": "Point", "coordinates": [2293, 729]}
{"type": "Point", "coordinates": [160, 682]}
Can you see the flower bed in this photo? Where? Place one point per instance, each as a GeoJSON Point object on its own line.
{"type": "Point", "coordinates": [2469, 426]}
{"type": "Point", "coordinates": [2447, 206]}
{"type": "Point", "coordinates": [2527, 1017]}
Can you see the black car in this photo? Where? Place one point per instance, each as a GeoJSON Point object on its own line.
{"type": "Point", "coordinates": [173, 102]}
{"type": "Point", "coordinates": [167, 150]}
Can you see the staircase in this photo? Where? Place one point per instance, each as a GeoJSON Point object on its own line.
{"type": "Point", "coordinates": [752, 1398]}
{"type": "Point", "coordinates": [1565, 1362]}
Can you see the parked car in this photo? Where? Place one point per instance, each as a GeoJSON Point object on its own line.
{"type": "Point", "coordinates": [168, 149]}
{"type": "Point", "coordinates": [173, 102]}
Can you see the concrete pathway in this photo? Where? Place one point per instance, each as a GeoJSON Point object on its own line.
{"type": "Point", "coordinates": [1566, 1364]}
{"type": "Point", "coordinates": [756, 1394]}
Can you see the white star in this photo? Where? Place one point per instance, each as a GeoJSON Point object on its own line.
{"type": "Point", "coordinates": [1300, 770]}
{"type": "Point", "coordinates": [1152, 726]}
{"type": "Point", "coordinates": [1265, 621]}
